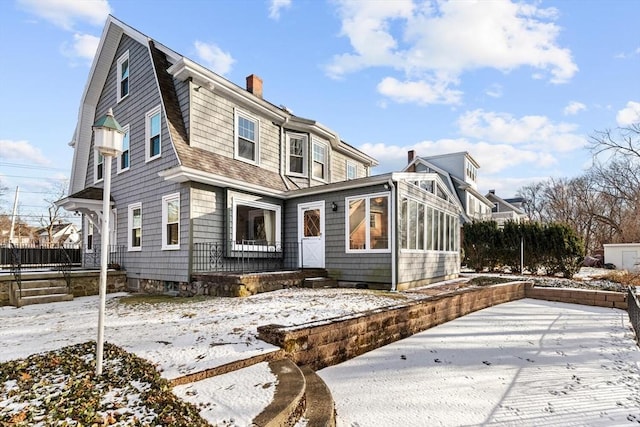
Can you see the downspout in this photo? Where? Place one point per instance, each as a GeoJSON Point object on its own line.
{"type": "Point", "coordinates": [394, 225]}
{"type": "Point", "coordinates": [283, 149]}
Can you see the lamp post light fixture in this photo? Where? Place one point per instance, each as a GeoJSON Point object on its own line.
{"type": "Point", "coordinates": [107, 140]}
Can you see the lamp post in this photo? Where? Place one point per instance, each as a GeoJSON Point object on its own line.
{"type": "Point", "coordinates": [107, 140]}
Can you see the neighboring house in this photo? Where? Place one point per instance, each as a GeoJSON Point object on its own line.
{"type": "Point", "coordinates": [213, 176]}
{"type": "Point", "coordinates": [506, 209]}
{"type": "Point", "coordinates": [62, 234]}
{"type": "Point", "coordinates": [459, 173]}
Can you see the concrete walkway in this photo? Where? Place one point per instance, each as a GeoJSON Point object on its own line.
{"type": "Point", "coordinates": [527, 362]}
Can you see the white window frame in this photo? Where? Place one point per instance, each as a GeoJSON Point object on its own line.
{"type": "Point", "coordinates": [127, 137]}
{"type": "Point", "coordinates": [96, 166]}
{"type": "Point", "coordinates": [316, 142]}
{"type": "Point", "coordinates": [260, 205]}
{"type": "Point", "coordinates": [165, 203]}
{"type": "Point", "coordinates": [237, 114]}
{"type": "Point", "coordinates": [353, 167]}
{"type": "Point", "coordinates": [132, 207]}
{"type": "Point", "coordinates": [305, 154]}
{"type": "Point", "coordinates": [368, 198]}
{"type": "Point", "coordinates": [123, 58]}
{"type": "Point", "coordinates": [147, 133]}
{"type": "Point", "coordinates": [89, 231]}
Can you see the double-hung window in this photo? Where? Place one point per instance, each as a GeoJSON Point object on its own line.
{"type": "Point", "coordinates": [297, 159]}
{"type": "Point", "coordinates": [352, 170]}
{"type": "Point", "coordinates": [171, 221]}
{"type": "Point", "coordinates": [319, 170]}
{"type": "Point", "coordinates": [123, 158]}
{"type": "Point", "coordinates": [98, 170]}
{"type": "Point", "coordinates": [123, 76]}
{"type": "Point", "coordinates": [88, 226]}
{"type": "Point", "coordinates": [367, 223]}
{"type": "Point", "coordinates": [135, 227]}
{"type": "Point", "coordinates": [256, 225]}
{"type": "Point", "coordinates": [153, 134]}
{"type": "Point", "coordinates": [247, 137]}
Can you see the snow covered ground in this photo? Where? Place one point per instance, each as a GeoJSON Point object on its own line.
{"type": "Point", "coordinates": [526, 362]}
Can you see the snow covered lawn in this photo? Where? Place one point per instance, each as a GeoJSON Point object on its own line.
{"type": "Point", "coordinates": [527, 362]}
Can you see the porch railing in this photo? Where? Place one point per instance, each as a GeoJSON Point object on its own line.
{"type": "Point", "coordinates": [247, 256]}
{"type": "Point", "coordinates": [633, 308]}
{"type": "Point", "coordinates": [116, 259]}
{"type": "Point", "coordinates": [39, 256]}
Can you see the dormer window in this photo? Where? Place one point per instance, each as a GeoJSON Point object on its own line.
{"type": "Point", "coordinates": [319, 161]}
{"type": "Point", "coordinates": [472, 172]}
{"type": "Point", "coordinates": [247, 137]}
{"type": "Point", "coordinates": [297, 149]}
{"type": "Point", "coordinates": [123, 76]}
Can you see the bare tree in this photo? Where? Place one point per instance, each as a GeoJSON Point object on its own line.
{"type": "Point", "coordinates": [56, 214]}
{"type": "Point", "coordinates": [624, 142]}
{"type": "Point", "coordinates": [534, 200]}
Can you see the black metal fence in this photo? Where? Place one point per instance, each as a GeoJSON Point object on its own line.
{"type": "Point", "coordinates": [35, 256]}
{"type": "Point", "coordinates": [116, 259]}
{"type": "Point", "coordinates": [243, 257]}
{"type": "Point", "coordinates": [633, 308]}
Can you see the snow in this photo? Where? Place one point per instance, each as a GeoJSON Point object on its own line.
{"type": "Point", "coordinates": [526, 362]}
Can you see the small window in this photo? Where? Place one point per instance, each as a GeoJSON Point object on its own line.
{"type": "Point", "coordinates": [297, 159]}
{"type": "Point", "coordinates": [99, 166]}
{"type": "Point", "coordinates": [171, 221]}
{"type": "Point", "coordinates": [153, 134]}
{"type": "Point", "coordinates": [246, 137]}
{"type": "Point", "coordinates": [88, 235]}
{"type": "Point", "coordinates": [352, 170]}
{"type": "Point", "coordinates": [135, 227]}
{"type": "Point", "coordinates": [123, 158]}
{"type": "Point", "coordinates": [319, 161]}
{"type": "Point", "coordinates": [367, 221]}
{"type": "Point", "coordinates": [123, 76]}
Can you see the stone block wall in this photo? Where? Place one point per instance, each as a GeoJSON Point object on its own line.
{"type": "Point", "coordinates": [579, 296]}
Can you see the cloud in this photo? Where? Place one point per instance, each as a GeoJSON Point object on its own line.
{"type": "Point", "coordinates": [494, 91]}
{"type": "Point", "coordinates": [440, 41]}
{"type": "Point", "coordinates": [84, 46]}
{"type": "Point", "coordinates": [214, 58]}
{"type": "Point", "coordinates": [420, 92]}
{"type": "Point", "coordinates": [535, 132]}
{"type": "Point", "coordinates": [574, 108]}
{"type": "Point", "coordinates": [629, 115]}
{"type": "Point", "coordinates": [276, 6]}
{"type": "Point", "coordinates": [66, 13]}
{"type": "Point", "coordinates": [23, 151]}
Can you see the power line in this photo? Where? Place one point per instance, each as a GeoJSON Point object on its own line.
{"type": "Point", "coordinates": [33, 177]}
{"type": "Point", "coordinates": [23, 166]}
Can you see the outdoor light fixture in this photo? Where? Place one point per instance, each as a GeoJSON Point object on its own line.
{"type": "Point", "coordinates": [107, 140]}
{"type": "Point", "coordinates": [334, 206]}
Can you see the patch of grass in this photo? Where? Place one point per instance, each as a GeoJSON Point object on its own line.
{"type": "Point", "coordinates": [488, 280]}
{"type": "Point", "coordinates": [160, 299]}
{"type": "Point", "coordinates": [60, 388]}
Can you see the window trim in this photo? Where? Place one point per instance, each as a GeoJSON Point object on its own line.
{"type": "Point", "coordinates": [147, 133]}
{"type": "Point", "coordinates": [237, 114]}
{"type": "Point", "coordinates": [305, 154]}
{"type": "Point", "coordinates": [130, 210]}
{"type": "Point", "coordinates": [96, 166]}
{"type": "Point", "coordinates": [124, 57]}
{"type": "Point", "coordinates": [368, 198]}
{"type": "Point", "coordinates": [354, 165]}
{"type": "Point", "coordinates": [89, 226]}
{"type": "Point", "coordinates": [127, 136]}
{"type": "Point", "coordinates": [439, 226]}
{"type": "Point", "coordinates": [324, 145]}
{"type": "Point", "coordinates": [165, 203]}
{"type": "Point", "coordinates": [275, 246]}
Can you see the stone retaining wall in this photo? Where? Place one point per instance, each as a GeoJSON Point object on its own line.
{"type": "Point", "coordinates": [332, 341]}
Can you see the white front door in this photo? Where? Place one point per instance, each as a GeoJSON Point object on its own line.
{"type": "Point", "coordinates": [311, 234]}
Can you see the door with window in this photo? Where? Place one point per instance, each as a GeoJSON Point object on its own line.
{"type": "Point", "coordinates": [311, 234]}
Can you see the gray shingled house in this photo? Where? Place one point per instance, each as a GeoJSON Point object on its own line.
{"type": "Point", "coordinates": [215, 179]}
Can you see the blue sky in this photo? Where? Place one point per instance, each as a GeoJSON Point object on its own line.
{"type": "Point", "coordinates": [519, 85]}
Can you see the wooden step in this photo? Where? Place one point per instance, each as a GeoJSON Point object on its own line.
{"type": "Point", "coordinates": [43, 299]}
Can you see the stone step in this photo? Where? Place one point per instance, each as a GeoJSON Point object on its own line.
{"type": "Point", "coordinates": [288, 403]}
{"type": "Point", "coordinates": [319, 282]}
{"type": "Point", "coordinates": [42, 283]}
{"type": "Point", "coordinates": [320, 406]}
{"type": "Point", "coordinates": [43, 299]}
{"type": "Point", "coordinates": [49, 290]}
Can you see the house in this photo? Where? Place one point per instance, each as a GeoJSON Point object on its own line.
{"type": "Point", "coordinates": [459, 173]}
{"type": "Point", "coordinates": [625, 256]}
{"type": "Point", "coordinates": [506, 209]}
{"type": "Point", "coordinates": [62, 234]}
{"type": "Point", "coordinates": [215, 178]}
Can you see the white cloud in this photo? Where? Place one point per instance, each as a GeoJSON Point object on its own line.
{"type": "Point", "coordinates": [276, 6]}
{"type": "Point", "coordinates": [574, 108]}
{"type": "Point", "coordinates": [494, 91]}
{"type": "Point", "coordinates": [65, 13]}
{"type": "Point", "coordinates": [214, 58]}
{"type": "Point", "coordinates": [629, 115]}
{"type": "Point", "coordinates": [22, 151]}
{"type": "Point", "coordinates": [535, 132]}
{"type": "Point", "coordinates": [442, 40]}
{"type": "Point", "coordinates": [420, 92]}
{"type": "Point", "coordinates": [84, 46]}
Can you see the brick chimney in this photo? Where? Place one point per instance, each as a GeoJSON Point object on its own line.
{"type": "Point", "coordinates": [410, 155]}
{"type": "Point", "coordinates": [254, 85]}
